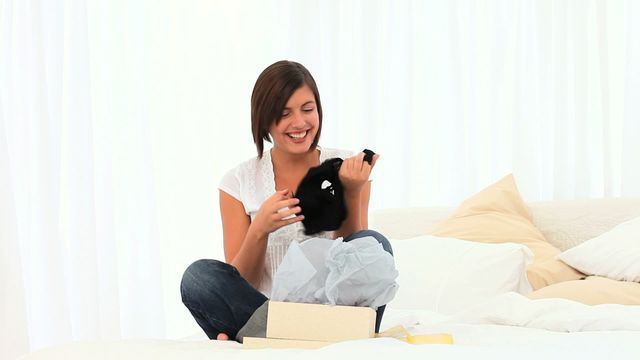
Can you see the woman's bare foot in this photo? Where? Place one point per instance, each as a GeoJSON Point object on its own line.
{"type": "Point", "coordinates": [222, 337]}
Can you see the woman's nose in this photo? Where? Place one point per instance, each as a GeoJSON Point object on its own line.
{"type": "Point", "coordinates": [298, 120]}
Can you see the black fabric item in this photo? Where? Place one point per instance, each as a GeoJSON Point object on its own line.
{"type": "Point", "coordinates": [321, 196]}
{"type": "Point", "coordinates": [368, 155]}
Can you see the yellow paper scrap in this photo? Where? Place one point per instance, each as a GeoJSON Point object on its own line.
{"type": "Point", "coordinates": [429, 339]}
{"type": "Point", "coordinates": [400, 333]}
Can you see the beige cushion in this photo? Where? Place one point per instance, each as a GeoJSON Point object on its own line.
{"type": "Point", "coordinates": [593, 290]}
{"type": "Point", "coordinates": [498, 214]}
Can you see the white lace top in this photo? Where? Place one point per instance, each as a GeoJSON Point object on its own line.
{"type": "Point", "coordinates": [252, 182]}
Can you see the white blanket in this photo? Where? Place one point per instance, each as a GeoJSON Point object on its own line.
{"type": "Point", "coordinates": [507, 327]}
{"type": "Point", "coordinates": [563, 315]}
{"type": "Point", "coordinates": [479, 342]}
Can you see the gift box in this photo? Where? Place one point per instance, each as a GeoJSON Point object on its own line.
{"type": "Point", "coordinates": [313, 325]}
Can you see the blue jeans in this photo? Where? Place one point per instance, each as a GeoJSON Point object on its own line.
{"type": "Point", "coordinates": [222, 301]}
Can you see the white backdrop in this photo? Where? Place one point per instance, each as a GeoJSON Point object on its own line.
{"type": "Point", "coordinates": [117, 119]}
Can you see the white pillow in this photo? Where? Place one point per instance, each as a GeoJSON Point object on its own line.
{"type": "Point", "coordinates": [614, 254]}
{"type": "Point", "coordinates": [447, 275]}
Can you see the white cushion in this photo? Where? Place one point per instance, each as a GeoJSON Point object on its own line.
{"type": "Point", "coordinates": [614, 254]}
{"type": "Point", "coordinates": [447, 275]}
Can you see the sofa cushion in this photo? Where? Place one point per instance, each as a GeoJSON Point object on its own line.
{"type": "Point", "coordinates": [497, 214]}
{"type": "Point", "coordinates": [568, 223]}
{"type": "Point", "coordinates": [593, 290]}
{"type": "Point", "coordinates": [448, 275]}
{"type": "Point", "coordinates": [614, 254]}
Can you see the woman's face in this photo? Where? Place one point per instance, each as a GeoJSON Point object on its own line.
{"type": "Point", "coordinates": [298, 126]}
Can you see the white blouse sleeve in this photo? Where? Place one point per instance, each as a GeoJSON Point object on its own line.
{"type": "Point", "coordinates": [230, 183]}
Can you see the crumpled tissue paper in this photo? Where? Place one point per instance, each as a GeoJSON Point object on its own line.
{"type": "Point", "coordinates": [323, 271]}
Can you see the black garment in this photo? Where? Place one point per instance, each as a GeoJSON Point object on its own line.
{"type": "Point", "coordinates": [321, 196]}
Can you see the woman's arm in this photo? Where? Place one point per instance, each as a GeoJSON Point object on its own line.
{"type": "Point", "coordinates": [245, 253]}
{"type": "Point", "coordinates": [357, 205]}
{"type": "Point", "coordinates": [354, 175]}
{"type": "Point", "coordinates": [245, 242]}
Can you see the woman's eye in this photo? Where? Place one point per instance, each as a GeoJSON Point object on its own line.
{"type": "Point", "coordinates": [285, 114]}
{"type": "Point", "coordinates": [307, 110]}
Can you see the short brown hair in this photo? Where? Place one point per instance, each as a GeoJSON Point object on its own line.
{"type": "Point", "coordinates": [272, 90]}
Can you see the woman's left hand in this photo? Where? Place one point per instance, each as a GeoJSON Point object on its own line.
{"type": "Point", "coordinates": [354, 172]}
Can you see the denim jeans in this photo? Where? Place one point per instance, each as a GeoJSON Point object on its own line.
{"type": "Point", "coordinates": [222, 301]}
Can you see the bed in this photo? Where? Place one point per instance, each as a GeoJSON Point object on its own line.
{"type": "Point", "coordinates": [498, 299]}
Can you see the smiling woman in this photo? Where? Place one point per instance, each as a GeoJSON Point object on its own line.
{"type": "Point", "coordinates": [260, 217]}
{"type": "Point", "coordinates": [299, 122]}
{"type": "Point", "coordinates": [297, 129]}
{"type": "Point", "coordinates": [286, 101]}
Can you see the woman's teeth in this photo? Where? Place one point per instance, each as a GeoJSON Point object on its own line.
{"type": "Point", "coordinates": [299, 135]}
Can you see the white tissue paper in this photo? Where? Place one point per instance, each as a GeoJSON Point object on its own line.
{"type": "Point", "coordinates": [322, 271]}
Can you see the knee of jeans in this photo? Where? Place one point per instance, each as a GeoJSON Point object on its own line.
{"type": "Point", "coordinates": [386, 245]}
{"type": "Point", "coordinates": [197, 277]}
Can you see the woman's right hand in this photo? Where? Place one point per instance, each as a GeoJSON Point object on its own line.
{"type": "Point", "coordinates": [276, 212]}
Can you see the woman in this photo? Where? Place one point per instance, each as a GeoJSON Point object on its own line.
{"type": "Point", "coordinates": [260, 216]}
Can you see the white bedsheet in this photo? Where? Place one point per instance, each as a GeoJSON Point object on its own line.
{"type": "Point", "coordinates": [507, 327]}
{"type": "Point", "coordinates": [472, 341]}
{"type": "Point", "coordinates": [514, 309]}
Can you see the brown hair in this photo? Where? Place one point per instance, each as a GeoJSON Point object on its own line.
{"type": "Point", "coordinates": [272, 90]}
